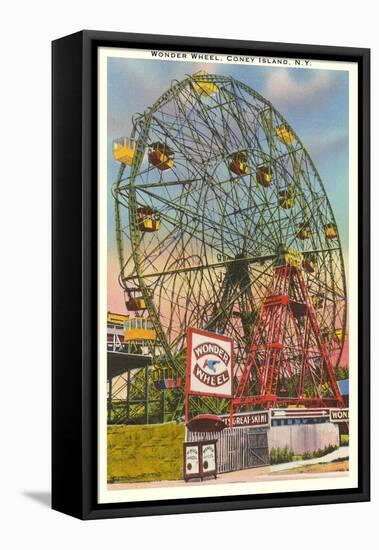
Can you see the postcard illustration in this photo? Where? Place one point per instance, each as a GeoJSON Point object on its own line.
{"type": "Point", "coordinates": [228, 363]}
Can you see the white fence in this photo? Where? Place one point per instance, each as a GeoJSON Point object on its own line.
{"type": "Point", "coordinates": [237, 448]}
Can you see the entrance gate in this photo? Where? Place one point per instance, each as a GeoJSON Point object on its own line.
{"type": "Point", "coordinates": [237, 448]}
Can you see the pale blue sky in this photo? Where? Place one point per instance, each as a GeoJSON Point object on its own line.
{"type": "Point", "coordinates": [314, 102]}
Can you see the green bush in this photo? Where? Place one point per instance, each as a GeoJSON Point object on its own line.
{"type": "Point", "coordinates": [286, 454]}
{"type": "Point", "coordinates": [278, 455]}
{"type": "Point", "coordinates": [320, 452]}
{"type": "Point", "coordinates": [344, 442]}
{"type": "Point", "coordinates": [274, 455]}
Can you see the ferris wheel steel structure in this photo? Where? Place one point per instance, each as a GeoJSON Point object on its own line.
{"type": "Point", "coordinates": [236, 195]}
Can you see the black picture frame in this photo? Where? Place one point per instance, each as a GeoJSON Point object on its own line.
{"type": "Point", "coordinates": [74, 271]}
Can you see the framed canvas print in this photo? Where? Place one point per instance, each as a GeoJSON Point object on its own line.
{"type": "Point", "coordinates": [210, 274]}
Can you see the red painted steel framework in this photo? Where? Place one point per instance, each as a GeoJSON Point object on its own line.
{"type": "Point", "coordinates": [289, 360]}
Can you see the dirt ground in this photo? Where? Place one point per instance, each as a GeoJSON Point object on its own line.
{"type": "Point", "coordinates": [341, 466]}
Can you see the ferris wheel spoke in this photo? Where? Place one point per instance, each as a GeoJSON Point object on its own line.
{"type": "Point", "coordinates": [208, 266]}
{"type": "Point", "coordinates": [210, 122]}
{"type": "Point", "coordinates": [161, 183]}
{"type": "Point", "coordinates": [264, 208]}
{"type": "Point", "coordinates": [198, 138]}
{"type": "Point", "coordinates": [221, 233]}
{"type": "Point", "coordinates": [170, 240]}
{"type": "Point", "coordinates": [240, 117]}
{"type": "Point", "coordinates": [224, 308]}
{"type": "Point", "coordinates": [192, 214]}
{"type": "Point", "coordinates": [240, 292]}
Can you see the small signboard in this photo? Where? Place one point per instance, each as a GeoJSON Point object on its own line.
{"type": "Point", "coordinates": [339, 415]}
{"type": "Point", "coordinates": [209, 364]}
{"type": "Point", "coordinates": [208, 459]}
{"type": "Point", "coordinates": [191, 460]}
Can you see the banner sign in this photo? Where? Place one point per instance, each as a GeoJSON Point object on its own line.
{"type": "Point", "coordinates": [253, 419]}
{"type": "Point", "coordinates": [339, 415]}
{"type": "Point", "coordinates": [209, 364]}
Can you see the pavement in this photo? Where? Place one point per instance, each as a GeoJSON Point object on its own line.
{"type": "Point", "coordinates": [282, 472]}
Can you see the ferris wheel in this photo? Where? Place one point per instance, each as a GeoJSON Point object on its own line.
{"type": "Point", "coordinates": [215, 190]}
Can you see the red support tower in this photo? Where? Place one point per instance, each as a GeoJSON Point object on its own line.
{"type": "Point", "coordinates": [288, 361]}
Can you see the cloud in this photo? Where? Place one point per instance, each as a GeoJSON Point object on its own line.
{"type": "Point", "coordinates": [329, 143]}
{"type": "Point", "coordinates": [134, 85]}
{"type": "Point", "coordinates": [286, 87]}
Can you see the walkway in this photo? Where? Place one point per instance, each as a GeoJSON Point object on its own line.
{"type": "Point", "coordinates": [249, 475]}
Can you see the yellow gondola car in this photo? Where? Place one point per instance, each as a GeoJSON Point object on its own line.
{"type": "Point", "coordinates": [123, 150]}
{"type": "Point", "coordinates": [285, 134]}
{"type": "Point", "coordinates": [338, 336]}
{"type": "Point", "coordinates": [330, 231]}
{"type": "Point", "coordinates": [205, 87]}
{"type": "Point", "coordinates": [286, 199]}
{"type": "Point", "coordinates": [264, 176]}
{"type": "Point", "coordinates": [292, 257]}
{"type": "Point", "coordinates": [304, 231]}
{"type": "Point", "coordinates": [138, 329]}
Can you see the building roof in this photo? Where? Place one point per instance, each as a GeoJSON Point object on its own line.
{"type": "Point", "coordinates": [119, 362]}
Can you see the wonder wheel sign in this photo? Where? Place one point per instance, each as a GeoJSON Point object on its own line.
{"type": "Point", "coordinates": [209, 364]}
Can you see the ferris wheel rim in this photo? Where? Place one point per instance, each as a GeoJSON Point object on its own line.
{"type": "Point", "coordinates": [167, 96]}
